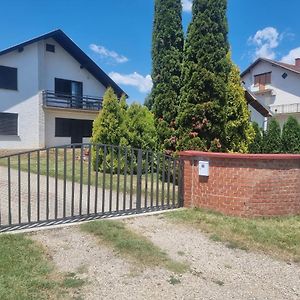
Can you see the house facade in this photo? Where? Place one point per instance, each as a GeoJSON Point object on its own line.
{"type": "Point", "coordinates": [50, 93]}
{"type": "Point", "coordinates": [276, 86]}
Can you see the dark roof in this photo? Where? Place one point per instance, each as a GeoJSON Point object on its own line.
{"type": "Point", "coordinates": [251, 100]}
{"type": "Point", "coordinates": [289, 67]}
{"type": "Point", "coordinates": [61, 38]}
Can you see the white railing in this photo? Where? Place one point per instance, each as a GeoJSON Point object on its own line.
{"type": "Point", "coordinates": [285, 108]}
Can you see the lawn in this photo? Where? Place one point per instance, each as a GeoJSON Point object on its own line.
{"type": "Point", "coordinates": [278, 236]}
{"type": "Point", "coordinates": [137, 248]}
{"type": "Point", "coordinates": [84, 172]}
{"type": "Point", "coordinates": [26, 272]}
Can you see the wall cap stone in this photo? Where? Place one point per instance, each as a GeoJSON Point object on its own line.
{"type": "Point", "coordinates": [198, 154]}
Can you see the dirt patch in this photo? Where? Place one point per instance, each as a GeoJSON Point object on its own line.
{"type": "Point", "coordinates": [216, 272]}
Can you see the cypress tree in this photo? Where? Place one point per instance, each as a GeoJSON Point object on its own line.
{"type": "Point", "coordinates": [272, 138]}
{"type": "Point", "coordinates": [291, 136]}
{"type": "Point", "coordinates": [167, 49]}
{"type": "Point", "coordinates": [257, 144]}
{"type": "Point", "coordinates": [206, 69]}
{"type": "Point", "coordinates": [238, 129]}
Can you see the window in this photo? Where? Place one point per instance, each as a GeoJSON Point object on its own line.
{"type": "Point", "coordinates": [50, 48]}
{"type": "Point", "coordinates": [70, 127]}
{"type": "Point", "coordinates": [262, 79]}
{"type": "Point", "coordinates": [8, 78]}
{"type": "Point", "coordinates": [8, 124]}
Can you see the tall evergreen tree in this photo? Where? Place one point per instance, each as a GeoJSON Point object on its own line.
{"type": "Point", "coordinates": [257, 144]}
{"type": "Point", "coordinates": [238, 129]}
{"type": "Point", "coordinates": [206, 69]}
{"type": "Point", "coordinates": [291, 136]}
{"type": "Point", "coordinates": [167, 49]}
{"type": "Point", "coordinates": [272, 138]}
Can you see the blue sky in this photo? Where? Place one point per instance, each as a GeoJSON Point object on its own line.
{"type": "Point", "coordinates": [117, 33]}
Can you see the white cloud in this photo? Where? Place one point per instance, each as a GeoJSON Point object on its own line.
{"type": "Point", "coordinates": [266, 41]}
{"type": "Point", "coordinates": [105, 53]}
{"type": "Point", "coordinates": [290, 58]}
{"type": "Point", "coordinates": [142, 83]}
{"type": "Point", "coordinates": [187, 5]}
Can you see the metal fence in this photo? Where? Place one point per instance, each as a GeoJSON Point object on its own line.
{"type": "Point", "coordinates": [83, 182]}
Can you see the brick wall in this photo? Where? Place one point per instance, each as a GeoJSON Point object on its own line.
{"type": "Point", "coordinates": [243, 185]}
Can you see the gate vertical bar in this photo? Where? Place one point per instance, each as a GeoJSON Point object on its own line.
{"type": "Point", "coordinates": [146, 179]}
{"type": "Point", "coordinates": [29, 189]}
{"type": "Point", "coordinates": [81, 179]}
{"type": "Point", "coordinates": [111, 177]}
{"type": "Point", "coordinates": [139, 179]}
{"type": "Point", "coordinates": [157, 178]}
{"type": "Point", "coordinates": [104, 178]}
{"type": "Point", "coordinates": [65, 183]}
{"type": "Point", "coordinates": [56, 184]}
{"type": "Point", "coordinates": [19, 189]}
{"type": "Point", "coordinates": [89, 182]}
{"type": "Point", "coordinates": [118, 178]}
{"type": "Point", "coordinates": [96, 179]}
{"type": "Point", "coordinates": [9, 191]}
{"type": "Point", "coordinates": [47, 184]}
{"type": "Point", "coordinates": [38, 184]}
{"type": "Point", "coordinates": [125, 178]}
{"type": "Point", "coordinates": [180, 183]}
{"type": "Point", "coordinates": [168, 181]}
{"type": "Point", "coordinates": [73, 181]}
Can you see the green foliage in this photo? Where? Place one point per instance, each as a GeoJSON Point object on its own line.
{"type": "Point", "coordinates": [121, 126]}
{"type": "Point", "coordinates": [205, 74]}
{"type": "Point", "coordinates": [238, 129]}
{"type": "Point", "coordinates": [140, 127]}
{"type": "Point", "coordinates": [291, 136]}
{"type": "Point", "coordinates": [167, 48]}
{"type": "Point", "coordinates": [257, 144]}
{"type": "Point", "coordinates": [109, 126]}
{"type": "Point", "coordinates": [272, 138]}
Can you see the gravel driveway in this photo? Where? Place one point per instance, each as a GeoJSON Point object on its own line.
{"type": "Point", "coordinates": [217, 272]}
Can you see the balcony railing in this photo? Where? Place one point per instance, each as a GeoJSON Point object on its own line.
{"type": "Point", "coordinates": [52, 99]}
{"type": "Point", "coordinates": [285, 108]}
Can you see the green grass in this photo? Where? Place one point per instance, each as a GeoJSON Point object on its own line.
{"type": "Point", "coordinates": [26, 273]}
{"type": "Point", "coordinates": [278, 236]}
{"type": "Point", "coordinates": [133, 246]}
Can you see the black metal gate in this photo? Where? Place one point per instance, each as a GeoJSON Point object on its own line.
{"type": "Point", "coordinates": [83, 182]}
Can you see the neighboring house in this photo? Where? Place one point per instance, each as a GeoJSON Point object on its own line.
{"type": "Point", "coordinates": [276, 86]}
{"type": "Point", "coordinates": [43, 88]}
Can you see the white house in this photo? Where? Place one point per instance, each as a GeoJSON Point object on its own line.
{"type": "Point", "coordinates": [50, 93]}
{"type": "Point", "coordinates": [276, 86]}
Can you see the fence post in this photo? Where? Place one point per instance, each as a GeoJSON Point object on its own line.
{"type": "Point", "coordinates": [139, 179]}
{"type": "Point", "coordinates": [181, 182]}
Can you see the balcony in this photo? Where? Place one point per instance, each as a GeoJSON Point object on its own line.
{"type": "Point", "coordinates": [285, 108]}
{"type": "Point", "coordinates": [58, 100]}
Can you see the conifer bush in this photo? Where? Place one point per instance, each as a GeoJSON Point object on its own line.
{"type": "Point", "coordinates": [291, 136]}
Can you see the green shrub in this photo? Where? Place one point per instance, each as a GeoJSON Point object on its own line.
{"type": "Point", "coordinates": [272, 138]}
{"type": "Point", "coordinates": [291, 136]}
{"type": "Point", "coordinates": [257, 145]}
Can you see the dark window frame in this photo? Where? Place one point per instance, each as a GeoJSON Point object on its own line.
{"type": "Point", "coordinates": [9, 124]}
{"type": "Point", "coordinates": [50, 48]}
{"type": "Point", "coordinates": [8, 78]}
{"type": "Point", "coordinates": [64, 127]}
{"type": "Point", "coordinates": [263, 79]}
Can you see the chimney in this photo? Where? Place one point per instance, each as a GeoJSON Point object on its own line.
{"type": "Point", "coordinates": [297, 62]}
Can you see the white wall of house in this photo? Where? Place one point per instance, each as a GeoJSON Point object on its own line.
{"type": "Point", "coordinates": [37, 70]}
{"type": "Point", "coordinates": [24, 101]}
{"type": "Point", "coordinates": [62, 65]}
{"type": "Point", "coordinates": [284, 91]}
